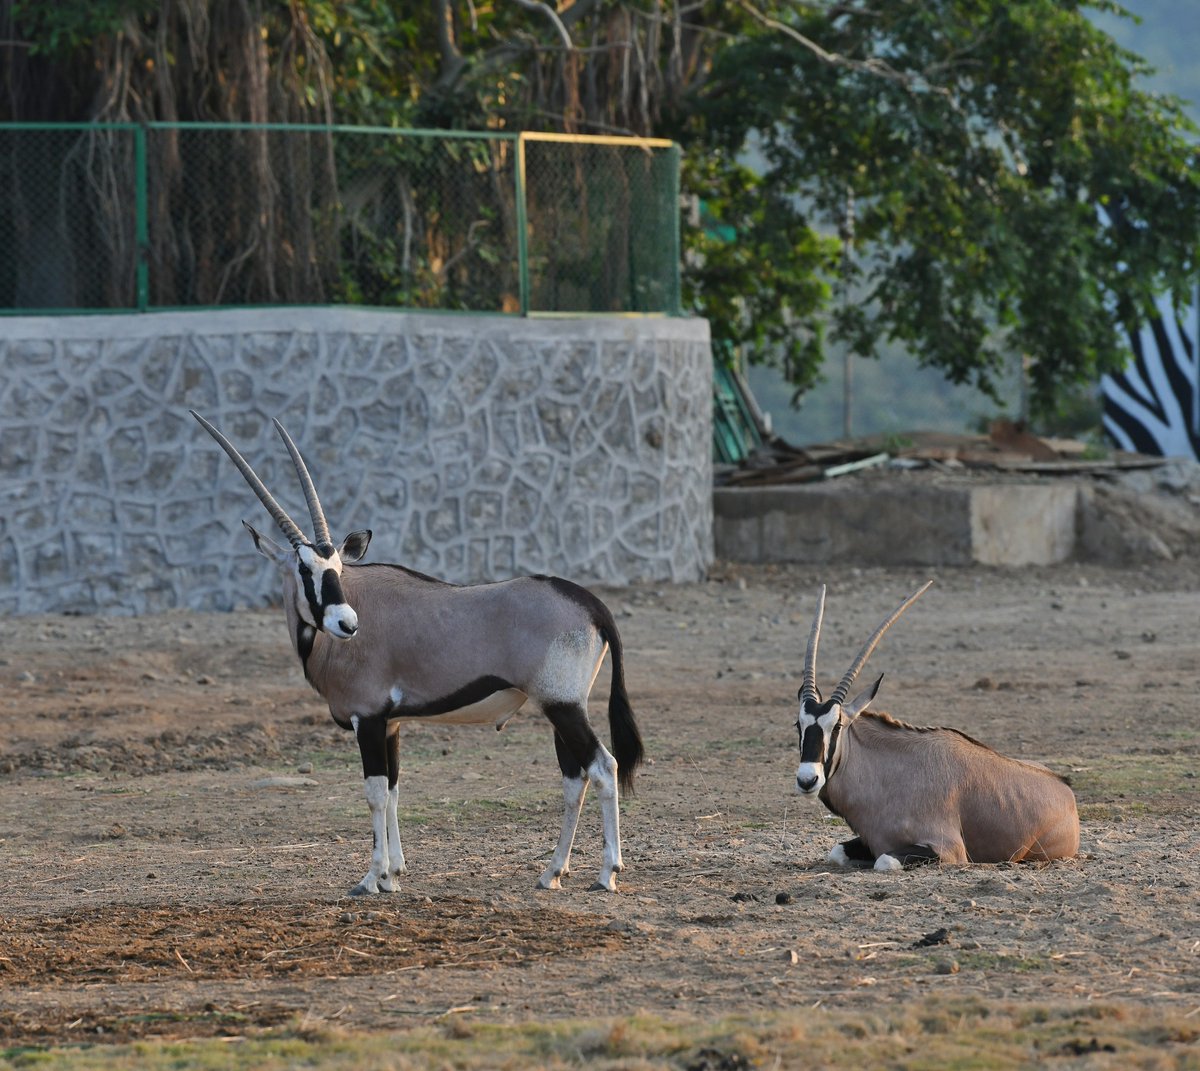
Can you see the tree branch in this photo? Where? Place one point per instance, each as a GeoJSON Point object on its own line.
{"type": "Point", "coordinates": [580, 9]}
{"type": "Point", "coordinates": [552, 15]}
{"type": "Point", "coordinates": [873, 66]}
{"type": "Point", "coordinates": [451, 59]}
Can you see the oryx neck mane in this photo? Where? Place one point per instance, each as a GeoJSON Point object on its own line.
{"type": "Point", "coordinates": [359, 570]}
{"type": "Point", "coordinates": [881, 721]}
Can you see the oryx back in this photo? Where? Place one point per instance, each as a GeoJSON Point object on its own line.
{"type": "Point", "coordinates": [431, 650]}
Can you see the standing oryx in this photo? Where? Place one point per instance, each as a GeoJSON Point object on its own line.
{"type": "Point", "coordinates": [383, 644]}
{"type": "Point", "coordinates": [913, 794]}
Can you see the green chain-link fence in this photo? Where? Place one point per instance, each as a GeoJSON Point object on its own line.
{"type": "Point", "coordinates": [162, 216]}
{"type": "Point", "coordinates": [613, 244]}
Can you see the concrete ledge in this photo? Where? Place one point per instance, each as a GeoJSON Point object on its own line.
{"type": "Point", "coordinates": [897, 524]}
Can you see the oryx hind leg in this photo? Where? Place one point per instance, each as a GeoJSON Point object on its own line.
{"type": "Point", "coordinates": [373, 748]}
{"type": "Point", "coordinates": [595, 765]}
{"type": "Point", "coordinates": [575, 783]}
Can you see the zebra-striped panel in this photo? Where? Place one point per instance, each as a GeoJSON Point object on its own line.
{"type": "Point", "coordinates": [1153, 406]}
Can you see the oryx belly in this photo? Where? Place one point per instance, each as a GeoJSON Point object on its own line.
{"type": "Point", "coordinates": [493, 708]}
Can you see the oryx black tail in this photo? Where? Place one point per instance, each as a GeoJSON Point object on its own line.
{"type": "Point", "coordinates": [628, 749]}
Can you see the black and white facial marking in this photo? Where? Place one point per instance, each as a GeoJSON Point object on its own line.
{"type": "Point", "coordinates": [321, 602]}
{"type": "Point", "coordinates": [819, 724]}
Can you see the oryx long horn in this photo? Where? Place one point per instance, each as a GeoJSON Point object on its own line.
{"type": "Point", "coordinates": [320, 525]}
{"type": "Point", "coordinates": [839, 693]}
{"type": "Point", "coordinates": [808, 689]}
{"type": "Point", "coordinates": [286, 525]}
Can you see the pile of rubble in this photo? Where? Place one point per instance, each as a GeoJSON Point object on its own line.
{"type": "Point", "coordinates": [1008, 447]}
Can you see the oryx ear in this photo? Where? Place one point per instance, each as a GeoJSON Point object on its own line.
{"type": "Point", "coordinates": [354, 546]}
{"type": "Point", "coordinates": [266, 548]}
{"type": "Point", "coordinates": [862, 700]}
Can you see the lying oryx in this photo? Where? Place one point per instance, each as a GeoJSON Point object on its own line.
{"type": "Point", "coordinates": [383, 644]}
{"type": "Point", "coordinates": [915, 794]}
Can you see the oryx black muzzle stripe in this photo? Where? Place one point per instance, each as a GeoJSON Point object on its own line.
{"type": "Point", "coordinates": [812, 744]}
{"type": "Point", "coordinates": [331, 589]}
{"type": "Point", "coordinates": [812, 739]}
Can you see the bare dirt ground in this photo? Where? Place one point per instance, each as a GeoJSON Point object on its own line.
{"type": "Point", "coordinates": [180, 821]}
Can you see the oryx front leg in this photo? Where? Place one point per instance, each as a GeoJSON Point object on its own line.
{"type": "Point", "coordinates": [906, 856]}
{"type": "Point", "coordinates": [373, 748]}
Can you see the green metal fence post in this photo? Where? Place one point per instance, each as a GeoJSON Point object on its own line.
{"type": "Point", "coordinates": [143, 226]}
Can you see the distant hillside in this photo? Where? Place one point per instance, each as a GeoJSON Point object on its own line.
{"type": "Point", "coordinates": [889, 396]}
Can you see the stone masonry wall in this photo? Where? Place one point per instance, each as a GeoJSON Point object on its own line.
{"type": "Point", "coordinates": [474, 447]}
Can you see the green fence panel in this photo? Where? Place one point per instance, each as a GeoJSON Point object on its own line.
{"type": "Point", "coordinates": [68, 218]}
{"type": "Point", "coordinates": [187, 215]}
{"type": "Point", "coordinates": [319, 216]}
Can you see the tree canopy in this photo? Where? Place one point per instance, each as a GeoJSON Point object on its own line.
{"type": "Point", "coordinates": [985, 177]}
{"type": "Point", "coordinates": [1007, 186]}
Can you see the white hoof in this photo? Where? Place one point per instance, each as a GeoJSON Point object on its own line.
{"type": "Point", "coordinates": [888, 862]}
{"type": "Point", "coordinates": [838, 856]}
